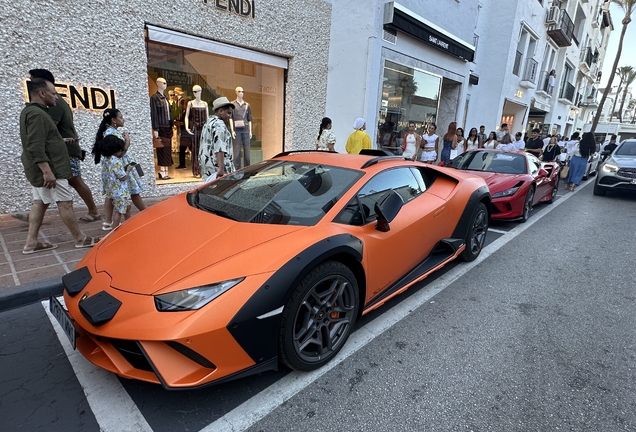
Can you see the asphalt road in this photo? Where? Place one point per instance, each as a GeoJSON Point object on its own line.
{"type": "Point", "coordinates": [538, 335]}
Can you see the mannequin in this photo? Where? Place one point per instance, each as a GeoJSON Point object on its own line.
{"type": "Point", "coordinates": [241, 128]}
{"type": "Point", "coordinates": [195, 117]}
{"type": "Point", "coordinates": [161, 119]}
{"type": "Point", "coordinates": [174, 108]}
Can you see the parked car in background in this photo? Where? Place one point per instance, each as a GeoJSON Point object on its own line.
{"type": "Point", "coordinates": [517, 180]}
{"type": "Point", "coordinates": [618, 171]}
{"type": "Point", "coordinates": [592, 164]}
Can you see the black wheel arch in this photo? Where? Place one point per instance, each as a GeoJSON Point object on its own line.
{"type": "Point", "coordinates": [481, 195]}
{"type": "Point", "coordinates": [258, 337]}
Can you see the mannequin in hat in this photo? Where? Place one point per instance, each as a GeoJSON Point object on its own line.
{"type": "Point", "coordinates": [195, 117]}
{"type": "Point", "coordinates": [241, 126]}
{"type": "Point", "coordinates": [215, 153]}
{"type": "Point", "coordinates": [161, 120]}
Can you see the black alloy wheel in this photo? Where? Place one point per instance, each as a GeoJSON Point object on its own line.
{"type": "Point", "coordinates": [318, 317]}
{"type": "Point", "coordinates": [527, 205]}
{"type": "Point", "coordinates": [476, 236]}
{"type": "Point", "coordinates": [555, 190]}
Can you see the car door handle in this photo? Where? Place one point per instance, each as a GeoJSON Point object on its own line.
{"type": "Point", "coordinates": [439, 211]}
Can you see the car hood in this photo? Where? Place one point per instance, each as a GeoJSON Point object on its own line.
{"type": "Point", "coordinates": [498, 182]}
{"type": "Point", "coordinates": [624, 161]}
{"type": "Point", "coordinates": [171, 241]}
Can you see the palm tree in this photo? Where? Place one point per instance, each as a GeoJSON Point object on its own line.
{"type": "Point", "coordinates": [622, 72]}
{"type": "Point", "coordinates": [628, 79]}
{"type": "Point", "coordinates": [628, 7]}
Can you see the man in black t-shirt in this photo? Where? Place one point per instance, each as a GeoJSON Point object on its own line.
{"type": "Point", "coordinates": [534, 144]}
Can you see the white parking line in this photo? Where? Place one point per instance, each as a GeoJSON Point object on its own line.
{"type": "Point", "coordinates": [111, 404]}
{"type": "Point", "coordinates": [256, 408]}
{"type": "Point", "coordinates": [114, 410]}
{"type": "Point", "coordinates": [498, 231]}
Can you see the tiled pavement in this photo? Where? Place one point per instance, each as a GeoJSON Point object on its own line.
{"type": "Point", "coordinates": [19, 269]}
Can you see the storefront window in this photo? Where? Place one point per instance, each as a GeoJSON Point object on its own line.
{"type": "Point", "coordinates": [408, 95]}
{"type": "Point", "coordinates": [216, 75]}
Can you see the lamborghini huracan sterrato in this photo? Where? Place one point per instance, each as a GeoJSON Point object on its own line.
{"type": "Point", "coordinates": [517, 180]}
{"type": "Point", "coordinates": [271, 264]}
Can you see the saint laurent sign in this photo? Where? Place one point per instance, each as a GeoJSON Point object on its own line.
{"type": "Point", "coordinates": [239, 7]}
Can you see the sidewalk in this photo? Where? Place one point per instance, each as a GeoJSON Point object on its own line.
{"type": "Point", "coordinates": [27, 270]}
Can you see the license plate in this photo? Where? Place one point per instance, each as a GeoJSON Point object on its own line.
{"type": "Point", "coordinates": [62, 316]}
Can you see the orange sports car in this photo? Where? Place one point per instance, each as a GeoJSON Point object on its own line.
{"type": "Point", "coordinates": [271, 264]}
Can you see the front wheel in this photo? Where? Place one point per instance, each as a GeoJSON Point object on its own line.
{"type": "Point", "coordinates": [318, 317]}
{"type": "Point", "coordinates": [476, 236]}
{"type": "Point", "coordinates": [527, 205]}
{"type": "Point", "coordinates": [598, 190]}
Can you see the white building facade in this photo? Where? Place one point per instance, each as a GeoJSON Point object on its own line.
{"type": "Point", "coordinates": [569, 37]}
{"type": "Point", "coordinates": [394, 62]}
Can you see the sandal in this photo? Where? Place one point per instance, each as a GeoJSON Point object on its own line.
{"type": "Point", "coordinates": [90, 218]}
{"type": "Point", "coordinates": [88, 242]}
{"type": "Point", "coordinates": [39, 247]}
{"type": "Point", "coordinates": [107, 226]}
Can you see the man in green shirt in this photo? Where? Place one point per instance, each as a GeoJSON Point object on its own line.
{"type": "Point", "coordinates": [47, 167]}
{"type": "Point", "coordinates": [63, 118]}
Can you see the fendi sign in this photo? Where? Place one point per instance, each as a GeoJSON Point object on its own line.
{"type": "Point", "coordinates": [240, 7]}
{"type": "Point", "coordinates": [89, 98]}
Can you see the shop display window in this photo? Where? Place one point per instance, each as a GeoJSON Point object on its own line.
{"type": "Point", "coordinates": [408, 94]}
{"type": "Point", "coordinates": [217, 75]}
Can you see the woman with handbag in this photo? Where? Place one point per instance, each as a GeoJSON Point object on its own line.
{"type": "Point", "coordinates": [579, 155]}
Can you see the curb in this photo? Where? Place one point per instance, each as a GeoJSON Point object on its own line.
{"type": "Point", "coordinates": [28, 293]}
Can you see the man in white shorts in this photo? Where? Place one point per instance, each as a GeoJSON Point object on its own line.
{"type": "Point", "coordinates": [47, 167]}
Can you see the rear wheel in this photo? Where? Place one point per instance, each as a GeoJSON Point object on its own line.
{"type": "Point", "coordinates": [318, 317]}
{"type": "Point", "coordinates": [476, 236]}
{"type": "Point", "coordinates": [555, 190]}
{"type": "Point", "coordinates": [527, 205]}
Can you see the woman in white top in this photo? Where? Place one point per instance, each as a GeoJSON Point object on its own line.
{"type": "Point", "coordinates": [472, 142]}
{"type": "Point", "coordinates": [429, 145]}
{"type": "Point", "coordinates": [326, 138]}
{"type": "Point", "coordinates": [491, 142]}
{"type": "Point", "coordinates": [461, 144]}
{"type": "Point", "coordinates": [411, 142]}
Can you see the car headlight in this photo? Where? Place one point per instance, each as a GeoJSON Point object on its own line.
{"type": "Point", "coordinates": [192, 298]}
{"type": "Point", "coordinates": [506, 193]}
{"type": "Point", "coordinates": [608, 167]}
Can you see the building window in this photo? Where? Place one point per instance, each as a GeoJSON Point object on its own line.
{"type": "Point", "coordinates": [408, 94]}
{"type": "Point", "coordinates": [217, 75]}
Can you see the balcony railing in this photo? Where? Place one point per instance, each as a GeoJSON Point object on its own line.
{"type": "Point", "coordinates": [587, 57]}
{"type": "Point", "coordinates": [517, 65]}
{"type": "Point", "coordinates": [530, 72]}
{"type": "Point", "coordinates": [563, 31]}
{"type": "Point", "coordinates": [567, 92]}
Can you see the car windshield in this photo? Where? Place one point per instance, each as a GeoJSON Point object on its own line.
{"type": "Point", "coordinates": [492, 161]}
{"type": "Point", "coordinates": [627, 148]}
{"type": "Point", "coordinates": [276, 192]}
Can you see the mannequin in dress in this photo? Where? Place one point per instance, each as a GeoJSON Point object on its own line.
{"type": "Point", "coordinates": [241, 128]}
{"type": "Point", "coordinates": [195, 117]}
{"type": "Point", "coordinates": [162, 121]}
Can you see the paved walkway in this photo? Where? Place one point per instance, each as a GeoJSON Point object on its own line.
{"type": "Point", "coordinates": [18, 269]}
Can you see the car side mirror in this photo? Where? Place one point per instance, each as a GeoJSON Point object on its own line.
{"type": "Point", "coordinates": [543, 173]}
{"type": "Point", "coordinates": [387, 208]}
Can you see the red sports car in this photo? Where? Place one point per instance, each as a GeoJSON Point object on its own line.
{"type": "Point", "coordinates": [517, 180]}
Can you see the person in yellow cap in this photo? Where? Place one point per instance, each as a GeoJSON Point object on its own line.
{"type": "Point", "coordinates": [359, 139]}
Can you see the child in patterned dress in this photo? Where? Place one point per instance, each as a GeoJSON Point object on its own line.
{"type": "Point", "coordinates": [115, 177]}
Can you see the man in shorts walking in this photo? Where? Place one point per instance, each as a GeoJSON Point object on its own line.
{"type": "Point", "coordinates": [63, 118]}
{"type": "Point", "coordinates": [47, 167]}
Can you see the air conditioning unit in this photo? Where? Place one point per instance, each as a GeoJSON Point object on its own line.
{"type": "Point", "coordinates": [553, 15]}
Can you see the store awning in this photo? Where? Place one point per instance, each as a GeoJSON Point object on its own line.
{"type": "Point", "coordinates": [401, 18]}
{"type": "Point", "coordinates": [185, 40]}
